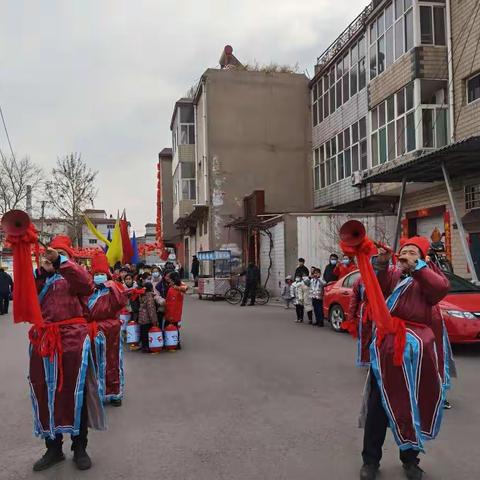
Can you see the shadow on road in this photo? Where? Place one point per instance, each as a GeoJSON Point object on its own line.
{"type": "Point", "coordinates": [467, 350]}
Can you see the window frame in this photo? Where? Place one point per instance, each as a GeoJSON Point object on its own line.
{"type": "Point", "coordinates": [467, 80]}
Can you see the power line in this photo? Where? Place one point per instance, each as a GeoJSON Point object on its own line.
{"type": "Point", "coordinates": [6, 133]}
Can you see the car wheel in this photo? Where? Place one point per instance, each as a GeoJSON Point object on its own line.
{"type": "Point", "coordinates": [336, 317]}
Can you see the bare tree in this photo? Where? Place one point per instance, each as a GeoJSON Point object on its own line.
{"type": "Point", "coordinates": [71, 189]}
{"type": "Point", "coordinates": [15, 177]}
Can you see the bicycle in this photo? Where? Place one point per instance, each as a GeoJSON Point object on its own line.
{"type": "Point", "coordinates": [234, 295]}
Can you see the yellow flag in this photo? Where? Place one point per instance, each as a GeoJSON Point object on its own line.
{"type": "Point", "coordinates": [95, 232]}
{"type": "Point", "coordinates": [115, 250]}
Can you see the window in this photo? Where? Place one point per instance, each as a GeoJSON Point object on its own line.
{"type": "Point", "coordinates": [183, 130]}
{"type": "Point", "coordinates": [184, 184]}
{"type": "Point", "coordinates": [316, 169]}
{"type": "Point", "coordinates": [473, 88]}
{"type": "Point", "coordinates": [391, 35]}
{"type": "Point", "coordinates": [393, 123]}
{"type": "Point", "coordinates": [472, 197]}
{"type": "Point", "coordinates": [92, 241]}
{"type": "Point", "coordinates": [432, 25]}
{"type": "Point", "coordinates": [433, 97]}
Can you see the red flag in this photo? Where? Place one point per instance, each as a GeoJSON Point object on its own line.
{"type": "Point", "coordinates": [126, 245]}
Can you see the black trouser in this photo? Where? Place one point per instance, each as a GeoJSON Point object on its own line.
{"type": "Point", "coordinates": [250, 292]}
{"type": "Point", "coordinates": [144, 329]}
{"type": "Point", "coordinates": [4, 302]}
{"type": "Point", "coordinates": [299, 309]}
{"type": "Point", "coordinates": [318, 309]}
{"type": "Point", "coordinates": [376, 430]}
{"type": "Point", "coordinates": [78, 441]}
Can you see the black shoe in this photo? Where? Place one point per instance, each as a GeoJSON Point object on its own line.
{"type": "Point", "coordinates": [81, 458]}
{"type": "Point", "coordinates": [116, 403]}
{"type": "Point", "coordinates": [447, 405]}
{"type": "Point", "coordinates": [413, 471]}
{"type": "Point", "coordinates": [52, 456]}
{"type": "Point", "coordinates": [368, 472]}
{"type": "Point", "coordinates": [320, 324]}
{"type": "Point", "coordinates": [243, 304]}
{"type": "Point", "coordinates": [251, 304]}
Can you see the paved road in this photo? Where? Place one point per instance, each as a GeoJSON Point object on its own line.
{"type": "Point", "coordinates": [252, 396]}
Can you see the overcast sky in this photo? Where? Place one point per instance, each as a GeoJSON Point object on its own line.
{"type": "Point", "coordinates": [101, 77]}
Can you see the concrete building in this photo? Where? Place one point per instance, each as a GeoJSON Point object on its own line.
{"type": "Point", "coordinates": [251, 133]}
{"type": "Point", "coordinates": [165, 227]}
{"type": "Point", "coordinates": [385, 97]}
{"type": "Point", "coordinates": [104, 225]}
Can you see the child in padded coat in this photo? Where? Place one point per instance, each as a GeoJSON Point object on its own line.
{"type": "Point", "coordinates": [305, 296]}
{"type": "Point", "coordinates": [297, 298]}
{"type": "Point", "coordinates": [287, 292]}
{"type": "Point", "coordinates": [147, 316]}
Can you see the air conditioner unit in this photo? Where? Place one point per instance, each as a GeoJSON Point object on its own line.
{"type": "Point", "coordinates": [357, 178]}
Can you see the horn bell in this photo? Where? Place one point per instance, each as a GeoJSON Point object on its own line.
{"type": "Point", "coordinates": [16, 222]}
{"type": "Point", "coordinates": [352, 233]}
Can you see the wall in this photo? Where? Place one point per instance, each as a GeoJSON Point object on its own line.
{"type": "Point", "coordinates": [258, 139]}
{"type": "Point", "coordinates": [277, 271]}
{"type": "Point", "coordinates": [467, 116]}
{"type": "Point", "coordinates": [168, 228]}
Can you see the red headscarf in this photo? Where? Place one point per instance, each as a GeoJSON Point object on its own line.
{"type": "Point", "coordinates": [63, 242]}
{"type": "Point", "coordinates": [100, 263]}
{"type": "Point", "coordinates": [421, 243]}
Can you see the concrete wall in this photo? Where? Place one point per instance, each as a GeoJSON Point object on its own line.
{"type": "Point", "coordinates": [259, 138]}
{"type": "Point", "coordinates": [432, 62]}
{"type": "Point", "coordinates": [467, 116]}
{"type": "Point", "coordinates": [168, 228]}
{"type": "Point", "coordinates": [277, 271]}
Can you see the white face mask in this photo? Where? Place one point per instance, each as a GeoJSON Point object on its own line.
{"type": "Point", "coordinates": [155, 274]}
{"type": "Point", "coordinates": [100, 278]}
{"type": "Point", "coordinates": [346, 261]}
{"type": "Point", "coordinates": [333, 261]}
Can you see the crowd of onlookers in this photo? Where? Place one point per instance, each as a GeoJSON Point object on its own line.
{"type": "Point", "coordinates": [305, 289]}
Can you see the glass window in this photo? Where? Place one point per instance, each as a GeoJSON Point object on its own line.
{"type": "Point", "coordinates": [363, 127]}
{"type": "Point", "coordinates": [389, 47]}
{"type": "Point", "coordinates": [382, 143]}
{"type": "Point", "coordinates": [315, 92]}
{"type": "Point", "coordinates": [390, 108]}
{"type": "Point", "coordinates": [391, 140]}
{"type": "Point", "coordinates": [333, 172]}
{"type": "Point", "coordinates": [400, 102]}
{"type": "Point", "coordinates": [410, 132]}
{"type": "Point", "coordinates": [184, 135]}
{"type": "Point", "coordinates": [332, 76]}
{"type": "Point", "coordinates": [346, 88]}
{"type": "Point", "coordinates": [341, 169]}
{"type": "Point", "coordinates": [354, 54]}
{"type": "Point", "coordinates": [339, 93]}
{"type": "Point", "coordinates": [363, 155]}
{"type": "Point", "coordinates": [333, 146]}
{"type": "Point", "coordinates": [326, 83]}
{"type": "Point", "coordinates": [362, 79]}
{"type": "Point", "coordinates": [441, 127]}
{"type": "Point", "coordinates": [398, 8]}
{"type": "Point", "coordinates": [340, 142]}
{"type": "Point", "coordinates": [439, 25]}
{"type": "Point", "coordinates": [381, 54]}
{"type": "Point", "coordinates": [328, 149]}
{"type": "Point", "coordinates": [380, 24]}
{"type": "Point", "coordinates": [353, 80]}
{"type": "Point", "coordinates": [409, 96]}
{"type": "Point", "coordinates": [188, 169]}
{"type": "Point", "coordinates": [373, 32]}
{"type": "Point", "coordinates": [399, 38]}
{"type": "Point", "coordinates": [426, 25]}
{"type": "Point", "coordinates": [388, 16]}
{"type": "Point", "coordinates": [374, 119]}
{"type": "Point", "coordinates": [361, 47]}
{"type": "Point", "coordinates": [191, 134]}
{"type": "Point", "coordinates": [355, 163]}
{"type": "Point", "coordinates": [325, 106]}
{"type": "Point", "coordinates": [381, 114]}
{"type": "Point", "coordinates": [346, 137]}
{"type": "Point", "coordinates": [315, 114]}
{"type": "Point", "coordinates": [375, 149]}
{"type": "Point", "coordinates": [339, 69]}
{"type": "Point", "coordinates": [355, 133]}
{"type": "Point", "coordinates": [408, 4]}
{"type": "Point", "coordinates": [322, 176]}
{"type": "Point", "coordinates": [428, 132]}
{"type": "Point", "coordinates": [332, 98]}
{"type": "Point", "coordinates": [316, 177]}
{"type": "Point", "coordinates": [400, 136]}
{"type": "Point", "coordinates": [186, 114]}
{"type": "Point", "coordinates": [473, 88]}
{"type": "Point", "coordinates": [348, 163]}
{"type": "Point", "coordinates": [409, 30]}
{"type": "Point", "coordinates": [373, 62]}
{"type": "Point", "coordinates": [320, 109]}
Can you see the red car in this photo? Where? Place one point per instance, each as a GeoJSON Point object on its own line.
{"type": "Point", "coordinates": [460, 308]}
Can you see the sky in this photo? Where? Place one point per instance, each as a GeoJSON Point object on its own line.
{"type": "Point", "coordinates": [100, 77]}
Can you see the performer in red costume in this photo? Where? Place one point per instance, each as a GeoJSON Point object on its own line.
{"type": "Point", "coordinates": [407, 397]}
{"type": "Point", "coordinates": [62, 377]}
{"type": "Point", "coordinates": [104, 306]}
{"type": "Point", "coordinates": [174, 302]}
{"type": "Point", "coordinates": [346, 266]}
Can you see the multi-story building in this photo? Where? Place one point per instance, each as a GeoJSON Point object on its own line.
{"type": "Point", "coordinates": [251, 133]}
{"type": "Point", "coordinates": [103, 223]}
{"type": "Point", "coordinates": [398, 85]}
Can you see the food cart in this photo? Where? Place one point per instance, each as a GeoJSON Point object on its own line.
{"type": "Point", "coordinates": [215, 273]}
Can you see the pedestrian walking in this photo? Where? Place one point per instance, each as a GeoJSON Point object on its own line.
{"type": "Point", "coordinates": [287, 292]}
{"type": "Point", "coordinates": [195, 270]}
{"type": "Point", "coordinates": [59, 360]}
{"type": "Point", "coordinates": [301, 270]}
{"type": "Point", "coordinates": [252, 279]}
{"type": "Point", "coordinates": [414, 390]}
{"type": "Point", "coordinates": [104, 306]}
{"type": "Point", "coordinates": [316, 290]}
{"type": "Point", "coordinates": [147, 315]}
{"type": "Point", "coordinates": [329, 271]}
{"type": "Point", "coordinates": [6, 289]}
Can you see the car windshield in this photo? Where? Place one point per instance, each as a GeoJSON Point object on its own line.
{"type": "Point", "coordinates": [460, 285]}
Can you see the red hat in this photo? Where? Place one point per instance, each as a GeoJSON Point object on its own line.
{"type": "Point", "coordinates": [63, 242]}
{"type": "Point", "coordinates": [100, 263]}
{"type": "Point", "coordinates": [421, 243]}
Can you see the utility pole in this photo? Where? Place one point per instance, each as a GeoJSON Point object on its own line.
{"type": "Point", "coordinates": [42, 219]}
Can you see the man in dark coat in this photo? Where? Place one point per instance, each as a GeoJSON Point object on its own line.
{"type": "Point", "coordinates": [328, 273]}
{"type": "Point", "coordinates": [252, 279]}
{"type": "Point", "coordinates": [6, 288]}
{"type": "Point", "coordinates": [195, 270]}
{"type": "Point", "coordinates": [302, 270]}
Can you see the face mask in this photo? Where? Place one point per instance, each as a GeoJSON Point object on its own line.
{"type": "Point", "coordinates": [333, 262]}
{"type": "Point", "coordinates": [140, 271]}
{"type": "Point", "coordinates": [100, 279]}
{"type": "Point", "coordinates": [155, 274]}
{"type": "Point", "coordinates": [345, 262]}
{"type": "Point", "coordinates": [297, 279]}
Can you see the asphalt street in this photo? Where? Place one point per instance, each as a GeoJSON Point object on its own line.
{"type": "Point", "coordinates": [252, 396]}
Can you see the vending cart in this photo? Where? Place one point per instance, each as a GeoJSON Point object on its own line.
{"type": "Point", "coordinates": [215, 273]}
